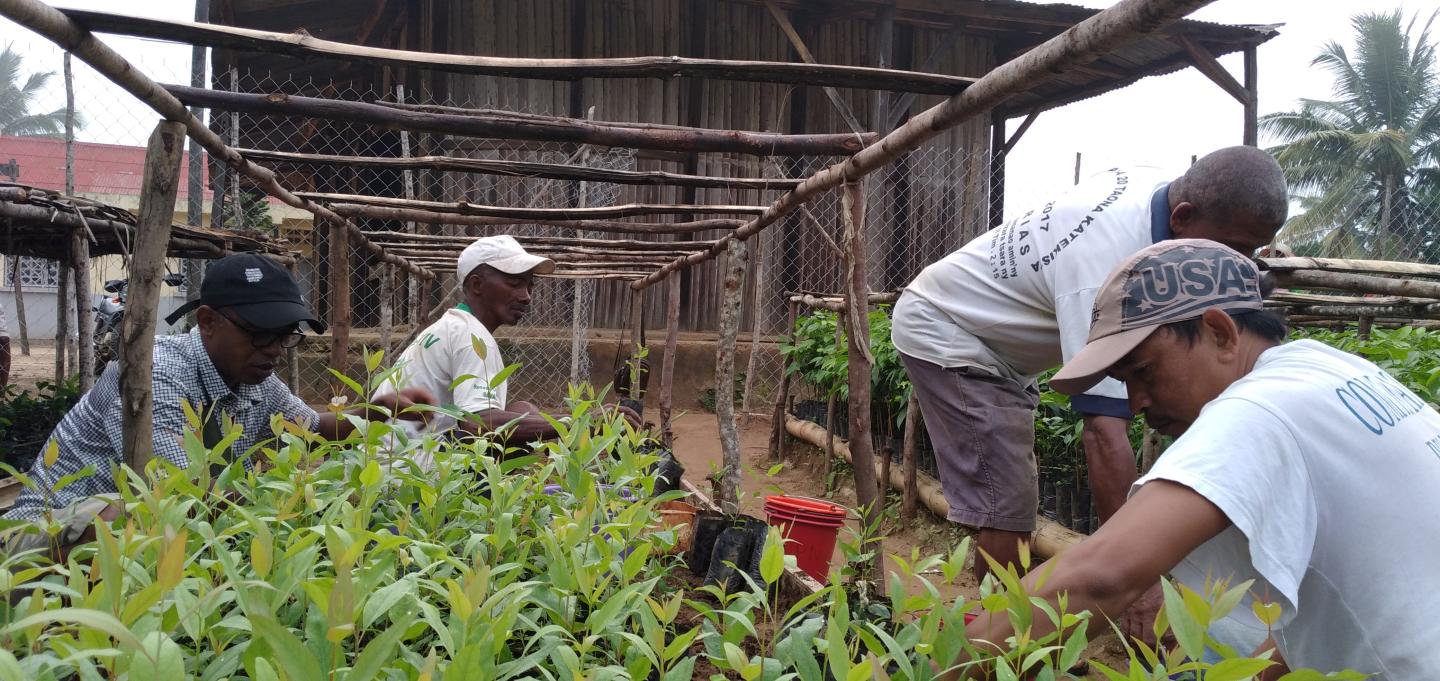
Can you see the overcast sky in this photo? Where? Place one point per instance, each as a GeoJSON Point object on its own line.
{"type": "Point", "coordinates": [1158, 121]}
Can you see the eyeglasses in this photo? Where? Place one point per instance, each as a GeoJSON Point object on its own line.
{"type": "Point", "coordinates": [264, 339]}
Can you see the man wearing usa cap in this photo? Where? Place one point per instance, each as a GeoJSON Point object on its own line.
{"type": "Point", "coordinates": [977, 328]}
{"type": "Point", "coordinates": [496, 275]}
{"type": "Point", "coordinates": [249, 311]}
{"type": "Point", "coordinates": [1298, 466]}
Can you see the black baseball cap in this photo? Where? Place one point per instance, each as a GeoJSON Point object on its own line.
{"type": "Point", "coordinates": [257, 289]}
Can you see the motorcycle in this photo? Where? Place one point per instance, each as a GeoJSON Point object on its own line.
{"type": "Point", "coordinates": [109, 313]}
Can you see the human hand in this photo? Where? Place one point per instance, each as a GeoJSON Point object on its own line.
{"type": "Point", "coordinates": [399, 404]}
{"type": "Point", "coordinates": [631, 416]}
{"type": "Point", "coordinates": [1138, 621]}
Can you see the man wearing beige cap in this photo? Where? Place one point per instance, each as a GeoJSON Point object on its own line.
{"type": "Point", "coordinates": [1298, 466]}
{"type": "Point", "coordinates": [496, 275]}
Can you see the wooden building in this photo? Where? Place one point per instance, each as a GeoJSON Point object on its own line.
{"type": "Point", "coordinates": [920, 210]}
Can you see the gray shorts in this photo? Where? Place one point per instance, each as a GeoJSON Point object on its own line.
{"type": "Point", "coordinates": [982, 428]}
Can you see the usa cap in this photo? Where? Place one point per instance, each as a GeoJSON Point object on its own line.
{"type": "Point", "coordinates": [257, 289]}
{"type": "Point", "coordinates": [1172, 281]}
{"type": "Point", "coordinates": [503, 253]}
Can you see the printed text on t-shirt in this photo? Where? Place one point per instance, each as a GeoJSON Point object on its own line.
{"type": "Point", "coordinates": [1378, 401]}
{"type": "Point", "coordinates": [1011, 245]}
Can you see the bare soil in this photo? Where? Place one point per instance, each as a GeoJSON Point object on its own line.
{"type": "Point", "coordinates": [26, 371]}
{"type": "Point", "coordinates": [697, 446]}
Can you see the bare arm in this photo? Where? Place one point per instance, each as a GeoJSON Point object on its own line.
{"type": "Point", "coordinates": [1104, 574]}
{"type": "Point", "coordinates": [1111, 461]}
{"type": "Point", "coordinates": [332, 427]}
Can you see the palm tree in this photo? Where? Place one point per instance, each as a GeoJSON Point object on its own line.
{"type": "Point", "coordinates": [16, 100]}
{"type": "Point", "coordinates": [1363, 165]}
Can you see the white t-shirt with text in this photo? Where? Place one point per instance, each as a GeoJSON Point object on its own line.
{"type": "Point", "coordinates": [1017, 299]}
{"type": "Point", "coordinates": [1329, 469]}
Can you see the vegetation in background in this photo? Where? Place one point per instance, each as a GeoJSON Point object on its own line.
{"type": "Point", "coordinates": [17, 100]}
{"type": "Point", "coordinates": [1364, 164]}
{"type": "Point", "coordinates": [26, 420]}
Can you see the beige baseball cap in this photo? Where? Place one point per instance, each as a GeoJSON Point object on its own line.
{"type": "Point", "coordinates": [1169, 282]}
{"type": "Point", "coordinates": [503, 253]}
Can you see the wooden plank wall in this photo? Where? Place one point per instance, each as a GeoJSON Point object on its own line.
{"type": "Point", "coordinates": [942, 190]}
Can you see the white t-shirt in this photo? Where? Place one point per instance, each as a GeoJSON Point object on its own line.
{"type": "Point", "coordinates": [1017, 300]}
{"type": "Point", "coordinates": [445, 352]}
{"type": "Point", "coordinates": [1329, 469]}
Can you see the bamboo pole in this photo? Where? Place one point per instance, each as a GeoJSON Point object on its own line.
{"type": "Point", "coordinates": [1050, 538]}
{"type": "Point", "coordinates": [777, 415]}
{"type": "Point", "coordinates": [860, 364]}
{"type": "Point", "coordinates": [442, 218]}
{"type": "Point", "coordinates": [667, 366]}
{"type": "Point", "coordinates": [729, 488]}
{"type": "Point", "coordinates": [530, 127]}
{"type": "Point", "coordinates": [302, 44]}
{"type": "Point", "coordinates": [531, 214]}
{"type": "Point", "coordinates": [159, 186]}
{"type": "Point", "coordinates": [909, 490]}
{"type": "Point", "coordinates": [56, 27]}
{"type": "Point", "coordinates": [1081, 44]}
{"type": "Point", "coordinates": [526, 169]}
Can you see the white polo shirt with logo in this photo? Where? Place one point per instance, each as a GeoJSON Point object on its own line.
{"type": "Point", "coordinates": [1017, 300]}
{"type": "Point", "coordinates": [447, 360]}
{"type": "Point", "coordinates": [1329, 469]}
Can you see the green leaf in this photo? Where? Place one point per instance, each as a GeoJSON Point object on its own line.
{"type": "Point", "coordinates": [371, 660]}
{"type": "Point", "coordinates": [370, 475]}
{"type": "Point", "coordinates": [1237, 669]}
{"type": "Point", "coordinates": [92, 619]}
{"type": "Point", "coordinates": [1188, 633]}
{"type": "Point", "coordinates": [290, 653]}
{"type": "Point", "coordinates": [157, 659]}
{"type": "Point", "coordinates": [772, 558]}
{"type": "Point", "coordinates": [503, 375]}
{"type": "Point", "coordinates": [10, 667]}
{"type": "Point", "coordinates": [479, 346]}
{"type": "Point", "coordinates": [386, 598]}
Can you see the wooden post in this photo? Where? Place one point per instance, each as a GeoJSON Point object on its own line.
{"type": "Point", "coordinates": [867, 489]}
{"type": "Point", "coordinates": [1252, 101]}
{"type": "Point", "coordinates": [1362, 330]}
{"type": "Point", "coordinates": [637, 343]}
{"type": "Point", "coordinates": [412, 291]}
{"type": "Point", "coordinates": [577, 340]}
{"type": "Point", "coordinates": [667, 367]}
{"type": "Point", "coordinates": [339, 300]}
{"type": "Point", "coordinates": [62, 321]}
{"type": "Point", "coordinates": [777, 415]}
{"type": "Point", "coordinates": [158, 190]}
{"type": "Point", "coordinates": [84, 319]}
{"type": "Point", "coordinates": [18, 288]}
{"type": "Point", "coordinates": [67, 270]}
{"type": "Point", "coordinates": [728, 494]}
{"type": "Point", "coordinates": [236, 210]}
{"type": "Point", "coordinates": [757, 313]}
{"type": "Point", "coordinates": [1149, 450]}
{"type": "Point", "coordinates": [910, 493]}
{"type": "Point", "coordinates": [997, 169]}
{"type": "Point", "coordinates": [195, 166]}
{"type": "Point", "coordinates": [387, 309]}
{"type": "Point", "coordinates": [830, 408]}
{"type": "Point", "coordinates": [292, 356]}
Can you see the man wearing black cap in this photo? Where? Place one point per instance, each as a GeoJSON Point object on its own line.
{"type": "Point", "coordinates": [249, 312]}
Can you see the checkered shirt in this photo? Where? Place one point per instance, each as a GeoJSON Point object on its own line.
{"type": "Point", "coordinates": [90, 434]}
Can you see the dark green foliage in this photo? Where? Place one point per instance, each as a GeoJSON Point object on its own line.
{"type": "Point", "coordinates": [26, 420]}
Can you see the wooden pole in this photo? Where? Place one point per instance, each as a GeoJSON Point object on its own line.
{"type": "Point", "coordinates": [17, 287]}
{"type": "Point", "coordinates": [292, 356]}
{"type": "Point", "coordinates": [237, 212]}
{"type": "Point", "coordinates": [530, 127]}
{"type": "Point", "coordinates": [997, 169]}
{"type": "Point", "coordinates": [667, 367]}
{"type": "Point", "coordinates": [407, 179]}
{"type": "Point", "coordinates": [532, 214]}
{"type": "Point", "coordinates": [387, 310]}
{"type": "Point", "coordinates": [339, 301]}
{"type": "Point", "coordinates": [84, 319]}
{"type": "Point", "coordinates": [63, 302]}
{"type": "Point", "coordinates": [782, 396]}
{"type": "Point", "coordinates": [526, 169]}
{"type": "Point", "coordinates": [637, 343]}
{"type": "Point", "coordinates": [1081, 44]}
{"type": "Point", "coordinates": [195, 170]}
{"type": "Point", "coordinates": [159, 186]}
{"type": "Point", "coordinates": [1252, 101]}
{"type": "Point", "coordinates": [577, 340]}
{"type": "Point", "coordinates": [756, 319]}
{"type": "Point", "coordinates": [302, 44]}
{"type": "Point", "coordinates": [910, 492]}
{"type": "Point", "coordinates": [611, 226]}
{"type": "Point", "coordinates": [860, 363]}
{"type": "Point", "coordinates": [1358, 283]}
{"type": "Point", "coordinates": [733, 292]}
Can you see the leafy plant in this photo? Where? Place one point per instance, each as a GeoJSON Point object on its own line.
{"type": "Point", "coordinates": [26, 420]}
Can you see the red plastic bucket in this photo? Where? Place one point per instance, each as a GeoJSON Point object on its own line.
{"type": "Point", "coordinates": [811, 527]}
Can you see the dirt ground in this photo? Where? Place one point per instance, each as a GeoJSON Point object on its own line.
{"type": "Point", "coordinates": [697, 446]}
{"type": "Point", "coordinates": [25, 371]}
